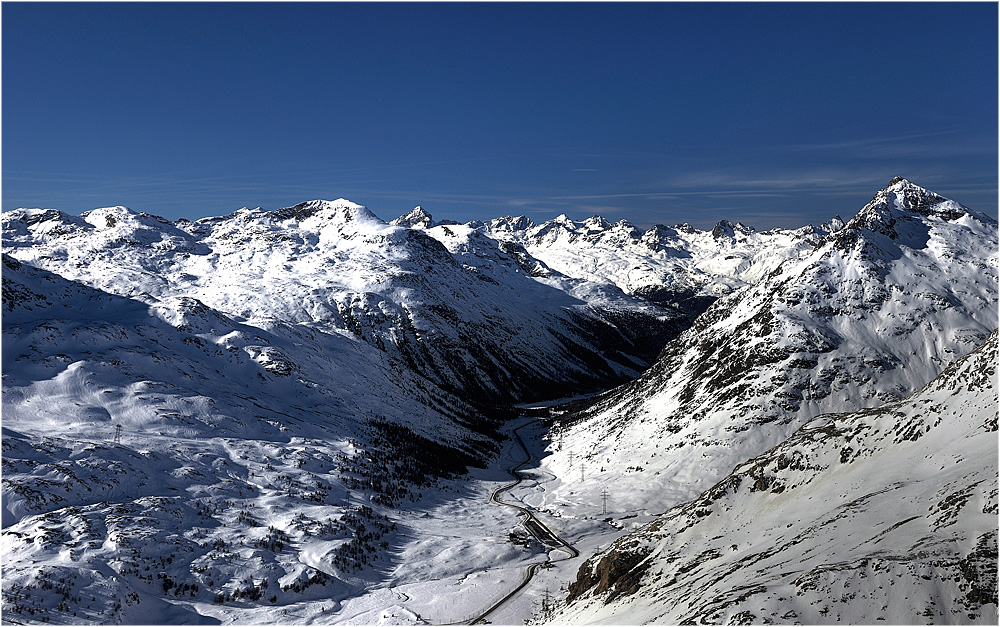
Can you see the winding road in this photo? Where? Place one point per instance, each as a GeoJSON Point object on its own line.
{"type": "Point", "coordinates": [535, 527]}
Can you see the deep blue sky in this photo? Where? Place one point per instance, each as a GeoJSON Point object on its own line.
{"type": "Point", "coordinates": [771, 114]}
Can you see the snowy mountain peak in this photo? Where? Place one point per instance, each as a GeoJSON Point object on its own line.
{"type": "Point", "coordinates": [902, 196]}
{"type": "Point", "coordinates": [898, 212]}
{"type": "Point", "coordinates": [340, 211]}
{"type": "Point", "coordinates": [833, 225]}
{"type": "Point", "coordinates": [416, 219]}
{"type": "Point", "coordinates": [596, 223]}
{"type": "Point", "coordinates": [21, 222]}
{"type": "Point", "coordinates": [510, 224]}
{"type": "Point", "coordinates": [723, 228]}
{"type": "Point", "coordinates": [109, 217]}
{"type": "Point", "coordinates": [905, 196]}
{"type": "Point", "coordinates": [727, 229]}
{"type": "Point", "coordinates": [99, 229]}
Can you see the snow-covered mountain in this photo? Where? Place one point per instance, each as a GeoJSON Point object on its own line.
{"type": "Point", "coordinates": [475, 323]}
{"type": "Point", "coordinates": [646, 326]}
{"type": "Point", "coordinates": [257, 417]}
{"type": "Point", "coordinates": [228, 418]}
{"type": "Point", "coordinates": [418, 218]}
{"type": "Point", "coordinates": [886, 514]}
{"type": "Point", "coordinates": [166, 463]}
{"type": "Point", "coordinates": [680, 264]}
{"type": "Point", "coordinates": [875, 311]}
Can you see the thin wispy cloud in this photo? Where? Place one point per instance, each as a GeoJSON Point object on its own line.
{"type": "Point", "coordinates": [931, 145]}
{"type": "Point", "coordinates": [718, 181]}
{"type": "Point", "coordinates": [863, 143]}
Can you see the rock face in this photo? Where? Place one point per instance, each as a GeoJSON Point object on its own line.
{"type": "Point", "coordinates": [618, 573]}
{"type": "Point", "coordinates": [886, 514]}
{"type": "Point", "coordinates": [875, 311]}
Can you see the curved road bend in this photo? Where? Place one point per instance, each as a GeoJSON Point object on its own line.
{"type": "Point", "coordinates": [534, 526]}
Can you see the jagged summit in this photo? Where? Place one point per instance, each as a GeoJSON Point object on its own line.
{"type": "Point", "coordinates": [661, 263]}
{"type": "Point", "coordinates": [510, 224]}
{"type": "Point", "coordinates": [903, 196]}
{"type": "Point", "coordinates": [898, 212]}
{"type": "Point", "coordinates": [596, 224]}
{"type": "Point", "coordinates": [418, 218]}
{"type": "Point", "coordinates": [727, 229]}
{"type": "Point", "coordinates": [834, 224]}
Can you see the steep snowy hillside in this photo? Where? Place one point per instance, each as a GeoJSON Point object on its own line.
{"type": "Point", "coordinates": [886, 514]}
{"type": "Point", "coordinates": [475, 323]}
{"type": "Point", "coordinates": [165, 462]}
{"type": "Point", "coordinates": [679, 265]}
{"type": "Point", "coordinates": [874, 312]}
{"type": "Point", "coordinates": [646, 326]}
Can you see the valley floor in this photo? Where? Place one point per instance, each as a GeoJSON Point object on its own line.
{"type": "Point", "coordinates": [459, 558]}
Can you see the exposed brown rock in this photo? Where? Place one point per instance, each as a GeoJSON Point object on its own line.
{"type": "Point", "coordinates": [617, 571]}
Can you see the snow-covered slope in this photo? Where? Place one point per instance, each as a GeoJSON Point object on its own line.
{"type": "Point", "coordinates": [874, 312]}
{"type": "Point", "coordinates": [887, 514]}
{"type": "Point", "coordinates": [679, 264]}
{"type": "Point", "coordinates": [254, 467]}
{"type": "Point", "coordinates": [646, 326]}
{"type": "Point", "coordinates": [228, 418]}
{"type": "Point", "coordinates": [475, 323]}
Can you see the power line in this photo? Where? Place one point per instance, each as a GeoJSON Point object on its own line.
{"type": "Point", "coordinates": [548, 607]}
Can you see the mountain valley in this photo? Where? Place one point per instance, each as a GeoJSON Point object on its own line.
{"type": "Point", "coordinates": [299, 416]}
